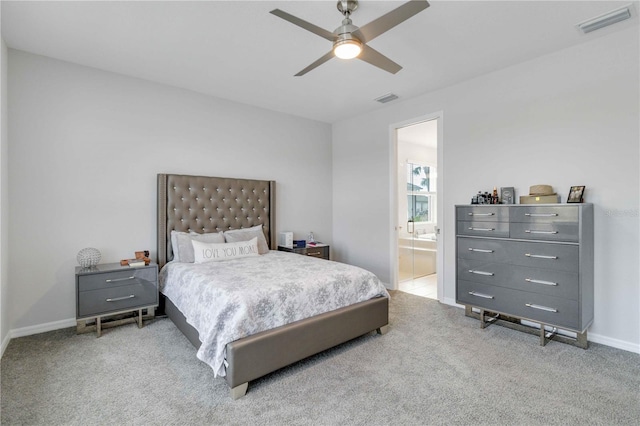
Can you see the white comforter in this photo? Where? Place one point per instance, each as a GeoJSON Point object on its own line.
{"type": "Point", "coordinates": [228, 300]}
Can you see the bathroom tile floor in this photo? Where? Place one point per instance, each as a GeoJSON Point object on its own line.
{"type": "Point", "coordinates": [424, 286]}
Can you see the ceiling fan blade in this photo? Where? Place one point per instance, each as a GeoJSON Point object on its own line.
{"type": "Point", "coordinates": [384, 23]}
{"type": "Point", "coordinates": [316, 64]}
{"type": "Point", "coordinates": [375, 58]}
{"type": "Point", "coordinates": [304, 24]}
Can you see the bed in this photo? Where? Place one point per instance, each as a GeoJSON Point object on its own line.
{"type": "Point", "coordinates": [210, 204]}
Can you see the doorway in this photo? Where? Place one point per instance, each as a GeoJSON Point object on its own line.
{"type": "Point", "coordinates": [416, 210]}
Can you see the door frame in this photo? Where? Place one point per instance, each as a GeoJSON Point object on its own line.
{"type": "Point", "coordinates": [393, 196]}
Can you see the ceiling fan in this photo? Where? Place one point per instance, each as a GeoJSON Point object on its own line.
{"type": "Point", "coordinates": [349, 41]}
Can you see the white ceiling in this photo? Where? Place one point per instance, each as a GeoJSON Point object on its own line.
{"type": "Point", "coordinates": [237, 50]}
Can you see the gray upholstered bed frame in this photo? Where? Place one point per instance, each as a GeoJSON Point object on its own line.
{"type": "Point", "coordinates": [210, 204]}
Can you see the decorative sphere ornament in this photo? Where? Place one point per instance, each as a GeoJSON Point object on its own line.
{"type": "Point", "coordinates": [88, 257]}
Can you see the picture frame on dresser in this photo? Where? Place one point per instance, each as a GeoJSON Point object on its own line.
{"type": "Point", "coordinates": [576, 194]}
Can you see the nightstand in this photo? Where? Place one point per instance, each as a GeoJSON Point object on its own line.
{"type": "Point", "coordinates": [319, 250]}
{"type": "Point", "coordinates": [111, 290]}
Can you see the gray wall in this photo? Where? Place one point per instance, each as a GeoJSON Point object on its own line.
{"type": "Point", "coordinates": [568, 118]}
{"type": "Point", "coordinates": [85, 148]}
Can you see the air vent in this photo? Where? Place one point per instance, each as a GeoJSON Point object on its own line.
{"type": "Point", "coordinates": [387, 98]}
{"type": "Point", "coordinates": [605, 20]}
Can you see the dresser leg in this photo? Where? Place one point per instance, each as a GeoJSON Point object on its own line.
{"type": "Point", "coordinates": [581, 340]}
{"type": "Point", "coordinates": [546, 336]}
{"type": "Point", "coordinates": [139, 318]}
{"type": "Point", "coordinates": [99, 326]}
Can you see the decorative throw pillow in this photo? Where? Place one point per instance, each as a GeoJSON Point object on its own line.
{"type": "Point", "coordinates": [174, 244]}
{"type": "Point", "coordinates": [209, 252]}
{"type": "Point", "coordinates": [185, 248]}
{"type": "Point", "coordinates": [246, 234]}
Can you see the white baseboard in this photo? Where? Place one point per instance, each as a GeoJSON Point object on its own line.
{"type": "Point", "coordinates": [614, 343]}
{"type": "Point", "coordinates": [42, 328]}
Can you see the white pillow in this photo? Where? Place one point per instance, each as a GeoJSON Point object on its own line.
{"type": "Point", "coordinates": [246, 234]}
{"type": "Point", "coordinates": [174, 244]}
{"type": "Point", "coordinates": [185, 248]}
{"type": "Point", "coordinates": [209, 252]}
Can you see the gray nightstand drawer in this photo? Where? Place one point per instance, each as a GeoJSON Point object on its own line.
{"type": "Point", "coordinates": [484, 229]}
{"type": "Point", "coordinates": [124, 276]}
{"type": "Point", "coordinates": [535, 307]}
{"type": "Point", "coordinates": [120, 298]}
{"type": "Point", "coordinates": [319, 251]}
{"type": "Point", "coordinates": [554, 231]}
{"type": "Point", "coordinates": [483, 213]}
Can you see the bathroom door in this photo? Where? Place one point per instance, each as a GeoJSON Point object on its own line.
{"type": "Point", "coordinates": [408, 216]}
{"type": "Point", "coordinates": [421, 204]}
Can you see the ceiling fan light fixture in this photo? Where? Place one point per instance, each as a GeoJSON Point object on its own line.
{"type": "Point", "coordinates": [347, 48]}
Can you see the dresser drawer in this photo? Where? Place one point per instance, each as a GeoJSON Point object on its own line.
{"type": "Point", "coordinates": [484, 229]}
{"type": "Point", "coordinates": [532, 306]}
{"type": "Point", "coordinates": [535, 280]}
{"type": "Point", "coordinates": [544, 214]}
{"type": "Point", "coordinates": [548, 231]}
{"type": "Point", "coordinates": [483, 249]}
{"type": "Point", "coordinates": [560, 257]}
{"type": "Point", "coordinates": [493, 213]}
{"type": "Point", "coordinates": [112, 299]}
{"type": "Point", "coordinates": [125, 276]}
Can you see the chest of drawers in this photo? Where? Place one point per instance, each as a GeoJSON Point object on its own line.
{"type": "Point", "coordinates": [108, 290]}
{"type": "Point", "coordinates": [531, 263]}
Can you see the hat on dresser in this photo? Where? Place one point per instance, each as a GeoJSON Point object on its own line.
{"type": "Point", "coordinates": [541, 190]}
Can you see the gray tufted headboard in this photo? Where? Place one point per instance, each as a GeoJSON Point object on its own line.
{"type": "Point", "coordinates": [212, 204]}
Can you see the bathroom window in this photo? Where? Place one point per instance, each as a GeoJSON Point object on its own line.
{"type": "Point", "coordinates": [421, 193]}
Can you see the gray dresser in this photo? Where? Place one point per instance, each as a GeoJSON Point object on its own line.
{"type": "Point", "coordinates": [527, 262]}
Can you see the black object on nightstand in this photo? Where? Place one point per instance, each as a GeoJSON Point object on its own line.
{"type": "Point", "coordinates": [111, 290]}
{"type": "Point", "coordinates": [319, 250]}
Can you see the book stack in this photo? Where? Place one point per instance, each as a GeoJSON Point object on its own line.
{"type": "Point", "coordinates": [142, 258]}
{"type": "Point", "coordinates": [136, 262]}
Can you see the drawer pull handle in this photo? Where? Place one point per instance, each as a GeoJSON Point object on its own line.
{"type": "Point", "coordinates": [540, 256]}
{"type": "Point", "coordinates": [115, 280]}
{"type": "Point", "coordinates": [473, 271]}
{"type": "Point", "coordinates": [540, 307]}
{"type": "Point", "coordinates": [115, 299]}
{"type": "Point", "coordinates": [531, 280]}
{"type": "Point", "coordinates": [481, 214]}
{"type": "Point", "coordinates": [541, 214]}
{"type": "Point", "coordinates": [480, 250]}
{"type": "Point", "coordinates": [471, 228]}
{"type": "Point", "coordinates": [528, 231]}
{"type": "Point", "coordinates": [484, 296]}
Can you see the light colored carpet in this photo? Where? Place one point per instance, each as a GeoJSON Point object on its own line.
{"type": "Point", "coordinates": [435, 366]}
